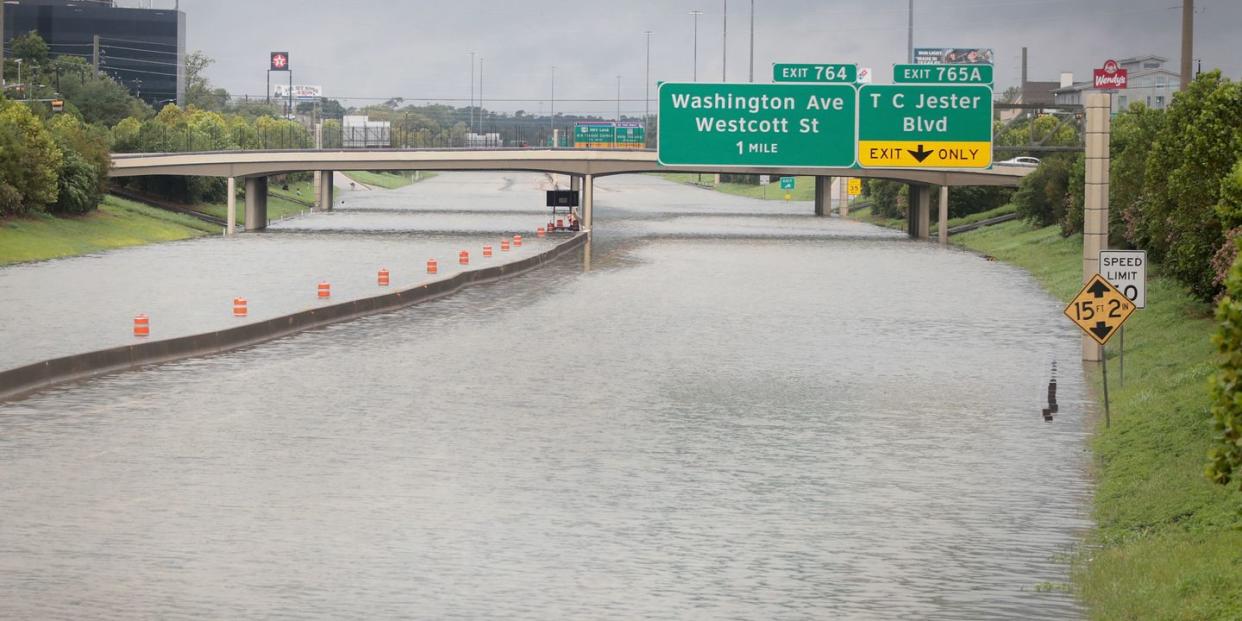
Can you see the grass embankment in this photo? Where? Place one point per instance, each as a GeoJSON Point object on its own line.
{"type": "Point", "coordinates": [386, 180]}
{"type": "Point", "coordinates": [117, 223]}
{"type": "Point", "coordinates": [1166, 544]}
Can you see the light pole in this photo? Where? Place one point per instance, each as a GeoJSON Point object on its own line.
{"type": "Point", "coordinates": [471, 106]}
{"type": "Point", "coordinates": [19, 74]}
{"type": "Point", "coordinates": [724, 40]}
{"type": "Point", "coordinates": [618, 98]}
{"type": "Point", "coordinates": [695, 13]}
{"type": "Point", "coordinates": [910, 35]}
{"type": "Point", "coordinates": [752, 42]}
{"type": "Point", "coordinates": [481, 128]}
{"type": "Point", "coordinates": [647, 82]}
{"type": "Point", "coordinates": [552, 110]}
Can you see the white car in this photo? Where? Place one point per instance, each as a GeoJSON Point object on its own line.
{"type": "Point", "coordinates": [1022, 160]}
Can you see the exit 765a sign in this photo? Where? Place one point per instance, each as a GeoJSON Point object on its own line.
{"type": "Point", "coordinates": [924, 126]}
{"type": "Point", "coordinates": [789, 125]}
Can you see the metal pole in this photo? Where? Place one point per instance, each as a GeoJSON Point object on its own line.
{"type": "Point", "coordinates": [724, 40]}
{"type": "Point", "coordinates": [910, 35]}
{"type": "Point", "coordinates": [1108, 419]}
{"type": "Point", "coordinates": [1188, 40]}
{"type": "Point", "coordinates": [614, 138]}
{"type": "Point", "coordinates": [269, 87]}
{"type": "Point", "coordinates": [695, 69]}
{"type": "Point", "coordinates": [552, 110]}
{"type": "Point", "coordinates": [1121, 375]}
{"type": "Point", "coordinates": [470, 106]}
{"type": "Point", "coordinates": [481, 128]}
{"type": "Point", "coordinates": [647, 81]}
{"type": "Point", "coordinates": [1, 45]}
{"type": "Point", "coordinates": [752, 40]}
{"type": "Point", "coordinates": [95, 52]}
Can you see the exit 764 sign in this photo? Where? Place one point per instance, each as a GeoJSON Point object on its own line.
{"type": "Point", "coordinates": [924, 126]}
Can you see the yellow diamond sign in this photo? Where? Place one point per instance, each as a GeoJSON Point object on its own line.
{"type": "Point", "coordinates": [1099, 309]}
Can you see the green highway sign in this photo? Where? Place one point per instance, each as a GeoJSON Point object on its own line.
{"type": "Point", "coordinates": [942, 74]}
{"type": "Point", "coordinates": [708, 124]}
{"type": "Point", "coordinates": [787, 72]}
{"type": "Point", "coordinates": [787, 183]}
{"type": "Point", "coordinates": [924, 126]}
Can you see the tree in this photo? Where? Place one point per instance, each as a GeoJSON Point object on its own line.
{"type": "Point", "coordinates": [30, 47]}
{"type": "Point", "coordinates": [198, 90]}
{"type": "Point", "coordinates": [88, 142]}
{"type": "Point", "coordinates": [884, 195]}
{"type": "Point", "coordinates": [98, 98]}
{"type": "Point", "coordinates": [1195, 149]}
{"type": "Point", "coordinates": [1225, 465]}
{"type": "Point", "coordinates": [1043, 195]}
{"type": "Point", "coordinates": [29, 159]}
{"type": "Point", "coordinates": [78, 185]}
{"type": "Point", "coordinates": [1133, 132]}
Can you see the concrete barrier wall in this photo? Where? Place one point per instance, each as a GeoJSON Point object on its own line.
{"type": "Point", "coordinates": [32, 377]}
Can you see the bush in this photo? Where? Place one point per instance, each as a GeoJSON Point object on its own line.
{"type": "Point", "coordinates": [884, 198]}
{"type": "Point", "coordinates": [1226, 454]}
{"type": "Point", "coordinates": [79, 186]}
{"type": "Point", "coordinates": [1042, 197]}
{"type": "Point", "coordinates": [29, 158]}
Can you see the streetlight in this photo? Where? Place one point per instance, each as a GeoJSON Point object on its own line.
{"type": "Point", "coordinates": [647, 92]}
{"type": "Point", "coordinates": [552, 110]}
{"type": "Point", "coordinates": [724, 40]}
{"type": "Point", "coordinates": [481, 128]}
{"type": "Point", "coordinates": [752, 43]}
{"type": "Point", "coordinates": [618, 98]}
{"type": "Point", "coordinates": [471, 106]}
{"type": "Point", "coordinates": [695, 13]}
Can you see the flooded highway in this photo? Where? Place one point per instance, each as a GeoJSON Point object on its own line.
{"type": "Point", "coordinates": [724, 408]}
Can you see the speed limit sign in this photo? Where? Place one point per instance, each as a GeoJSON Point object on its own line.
{"type": "Point", "coordinates": [1127, 271]}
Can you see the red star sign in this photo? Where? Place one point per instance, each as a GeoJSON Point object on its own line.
{"type": "Point", "coordinates": [280, 61]}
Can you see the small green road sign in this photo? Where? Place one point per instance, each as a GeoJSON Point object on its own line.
{"type": "Point", "coordinates": [942, 74]}
{"type": "Point", "coordinates": [757, 124]}
{"type": "Point", "coordinates": [924, 126]}
{"type": "Point", "coordinates": [787, 183]}
{"type": "Point", "coordinates": [789, 72]}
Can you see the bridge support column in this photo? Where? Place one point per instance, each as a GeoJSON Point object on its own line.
{"type": "Point", "coordinates": [922, 229]}
{"type": "Point", "coordinates": [1095, 200]}
{"type": "Point", "coordinates": [575, 183]}
{"type": "Point", "coordinates": [325, 191]}
{"type": "Point", "coordinates": [256, 203]}
{"type": "Point", "coordinates": [943, 224]}
{"type": "Point", "coordinates": [823, 196]}
{"type": "Point", "coordinates": [230, 215]}
{"type": "Point", "coordinates": [588, 192]}
{"type": "Point", "coordinates": [316, 185]}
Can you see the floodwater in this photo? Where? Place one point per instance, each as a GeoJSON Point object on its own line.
{"type": "Point", "coordinates": [728, 410]}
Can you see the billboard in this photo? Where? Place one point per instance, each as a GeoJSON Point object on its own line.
{"type": "Point", "coordinates": [1110, 76]}
{"type": "Point", "coordinates": [301, 92]}
{"type": "Point", "coordinates": [952, 55]}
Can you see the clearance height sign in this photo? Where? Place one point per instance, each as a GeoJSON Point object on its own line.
{"type": "Point", "coordinates": [791, 125]}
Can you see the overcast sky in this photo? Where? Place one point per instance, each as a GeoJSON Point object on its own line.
{"type": "Point", "coordinates": [419, 49]}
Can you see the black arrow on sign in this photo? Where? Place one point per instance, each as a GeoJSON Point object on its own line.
{"type": "Point", "coordinates": [1098, 288]}
{"type": "Point", "coordinates": [921, 155]}
{"type": "Point", "coordinates": [1101, 329]}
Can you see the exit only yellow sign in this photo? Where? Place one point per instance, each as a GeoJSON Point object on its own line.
{"type": "Point", "coordinates": [924, 154]}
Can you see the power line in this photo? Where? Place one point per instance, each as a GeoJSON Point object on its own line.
{"type": "Point", "coordinates": [136, 49]}
{"type": "Point", "coordinates": [137, 41]}
{"type": "Point", "coordinates": [128, 70]}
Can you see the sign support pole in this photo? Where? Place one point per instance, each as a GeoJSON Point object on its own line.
{"type": "Point", "coordinates": [1108, 422]}
{"type": "Point", "coordinates": [1121, 376]}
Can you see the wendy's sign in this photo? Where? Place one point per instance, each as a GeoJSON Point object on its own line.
{"type": "Point", "coordinates": [1110, 76]}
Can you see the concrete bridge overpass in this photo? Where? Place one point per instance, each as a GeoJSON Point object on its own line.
{"type": "Point", "coordinates": [582, 165]}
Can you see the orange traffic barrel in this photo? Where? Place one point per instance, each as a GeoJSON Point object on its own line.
{"type": "Point", "coordinates": [539, 232]}
{"type": "Point", "coordinates": [487, 251]}
{"type": "Point", "coordinates": [382, 279]}
{"type": "Point", "coordinates": [504, 245]}
{"type": "Point", "coordinates": [142, 326]}
{"type": "Point", "coordinates": [325, 290]}
{"type": "Point", "coordinates": [432, 266]}
{"type": "Point", "coordinates": [239, 307]}
{"type": "Point", "coordinates": [463, 257]}
{"type": "Point", "coordinates": [517, 241]}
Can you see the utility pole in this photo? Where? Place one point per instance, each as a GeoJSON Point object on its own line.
{"type": "Point", "coordinates": [1, 46]}
{"type": "Point", "coordinates": [724, 40]}
{"type": "Point", "coordinates": [647, 82]}
{"type": "Point", "coordinates": [1188, 40]}
{"type": "Point", "coordinates": [471, 106]}
{"type": "Point", "coordinates": [910, 35]}
{"type": "Point", "coordinates": [95, 54]}
{"type": "Point", "coordinates": [695, 13]}
{"type": "Point", "coordinates": [752, 41]}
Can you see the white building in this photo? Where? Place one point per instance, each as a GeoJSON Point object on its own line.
{"type": "Point", "coordinates": [358, 132]}
{"type": "Point", "coordinates": [1148, 82]}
